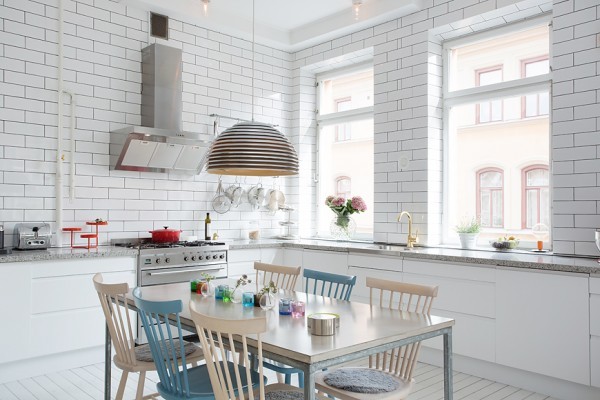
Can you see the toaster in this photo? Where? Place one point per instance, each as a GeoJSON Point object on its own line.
{"type": "Point", "coordinates": [32, 236]}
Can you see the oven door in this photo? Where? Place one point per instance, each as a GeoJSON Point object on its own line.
{"type": "Point", "coordinates": [161, 276]}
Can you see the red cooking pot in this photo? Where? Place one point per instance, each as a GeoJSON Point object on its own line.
{"type": "Point", "coordinates": [165, 235]}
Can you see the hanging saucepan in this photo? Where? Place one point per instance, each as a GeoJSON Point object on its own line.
{"type": "Point", "coordinates": [221, 203]}
{"type": "Point", "coordinates": [165, 235]}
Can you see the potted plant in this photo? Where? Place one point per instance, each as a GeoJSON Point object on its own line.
{"type": "Point", "coordinates": [468, 230]}
{"type": "Point", "coordinates": [343, 226]}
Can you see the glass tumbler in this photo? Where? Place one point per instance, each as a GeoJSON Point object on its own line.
{"type": "Point", "coordinates": [298, 309]}
{"type": "Point", "coordinates": [285, 306]}
{"type": "Point", "coordinates": [248, 299]}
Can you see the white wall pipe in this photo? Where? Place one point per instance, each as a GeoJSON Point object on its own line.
{"type": "Point", "coordinates": [58, 184]}
{"type": "Point", "coordinates": [72, 145]}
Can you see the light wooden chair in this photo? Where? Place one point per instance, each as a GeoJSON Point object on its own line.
{"type": "Point", "coordinates": [283, 277]}
{"type": "Point", "coordinates": [400, 362]}
{"type": "Point", "coordinates": [119, 325]}
{"type": "Point", "coordinates": [231, 381]}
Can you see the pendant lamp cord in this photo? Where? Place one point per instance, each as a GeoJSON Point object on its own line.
{"type": "Point", "coordinates": [252, 94]}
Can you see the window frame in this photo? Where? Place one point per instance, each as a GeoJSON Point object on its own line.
{"type": "Point", "coordinates": [491, 190]}
{"type": "Point", "coordinates": [337, 183]}
{"type": "Point", "coordinates": [525, 188]}
{"type": "Point", "coordinates": [347, 135]}
{"type": "Point", "coordinates": [336, 118]}
{"type": "Point", "coordinates": [477, 94]}
{"type": "Point", "coordinates": [478, 73]}
{"type": "Point", "coordinates": [523, 75]}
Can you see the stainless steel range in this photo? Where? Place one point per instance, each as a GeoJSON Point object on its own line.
{"type": "Point", "coordinates": [162, 263]}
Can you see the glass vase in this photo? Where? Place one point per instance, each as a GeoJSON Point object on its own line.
{"type": "Point", "coordinates": [267, 301]}
{"type": "Point", "coordinates": [237, 295]}
{"type": "Point", "coordinates": [206, 289]}
{"type": "Point", "coordinates": [342, 227]}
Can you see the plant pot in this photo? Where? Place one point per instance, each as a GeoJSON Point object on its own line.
{"type": "Point", "coordinates": [468, 240]}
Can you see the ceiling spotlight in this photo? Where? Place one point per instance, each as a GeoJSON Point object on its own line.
{"type": "Point", "coordinates": [205, 6]}
{"type": "Point", "coordinates": [356, 7]}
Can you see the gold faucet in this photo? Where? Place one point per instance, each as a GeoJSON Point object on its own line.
{"type": "Point", "coordinates": [411, 240]}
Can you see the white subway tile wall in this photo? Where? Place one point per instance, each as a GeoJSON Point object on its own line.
{"type": "Point", "coordinates": [103, 40]}
{"type": "Point", "coordinates": [408, 116]}
{"type": "Point", "coordinates": [102, 66]}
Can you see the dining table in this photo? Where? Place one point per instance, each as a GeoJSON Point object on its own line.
{"type": "Point", "coordinates": [363, 330]}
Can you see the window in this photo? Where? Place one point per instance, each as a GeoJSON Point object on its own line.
{"type": "Point", "coordinates": [343, 186]}
{"type": "Point", "coordinates": [345, 160]}
{"type": "Point", "coordinates": [489, 111]}
{"type": "Point", "coordinates": [490, 197]}
{"type": "Point", "coordinates": [536, 196]}
{"type": "Point", "coordinates": [343, 131]}
{"type": "Point", "coordinates": [536, 104]}
{"type": "Point", "coordinates": [496, 113]}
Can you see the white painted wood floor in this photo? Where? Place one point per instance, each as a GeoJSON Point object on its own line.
{"type": "Point", "coordinates": [87, 383]}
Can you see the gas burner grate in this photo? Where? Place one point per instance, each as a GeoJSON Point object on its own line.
{"type": "Point", "coordinates": [200, 243]}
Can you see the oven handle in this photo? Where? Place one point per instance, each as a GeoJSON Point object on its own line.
{"type": "Point", "coordinates": [181, 271]}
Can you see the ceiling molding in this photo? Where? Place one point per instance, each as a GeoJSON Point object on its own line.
{"type": "Point", "coordinates": [312, 27]}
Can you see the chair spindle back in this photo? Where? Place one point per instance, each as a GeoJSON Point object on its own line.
{"type": "Point", "coordinates": [283, 277]}
{"type": "Point", "coordinates": [410, 297]}
{"type": "Point", "coordinates": [328, 284]}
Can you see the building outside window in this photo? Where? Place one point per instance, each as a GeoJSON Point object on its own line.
{"type": "Point", "coordinates": [496, 114]}
{"type": "Point", "coordinates": [489, 111]}
{"type": "Point", "coordinates": [536, 196]}
{"type": "Point", "coordinates": [490, 197]}
{"type": "Point", "coordinates": [345, 165]}
{"type": "Point", "coordinates": [537, 104]}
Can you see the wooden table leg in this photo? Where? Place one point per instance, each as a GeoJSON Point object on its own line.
{"type": "Point", "coordinates": [448, 391]}
{"type": "Point", "coordinates": [107, 364]}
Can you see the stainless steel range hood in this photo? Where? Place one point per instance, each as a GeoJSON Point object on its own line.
{"type": "Point", "coordinates": [159, 145]}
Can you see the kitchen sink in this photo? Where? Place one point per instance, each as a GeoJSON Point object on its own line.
{"type": "Point", "coordinates": [390, 247]}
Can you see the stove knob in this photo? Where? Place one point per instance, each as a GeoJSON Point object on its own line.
{"type": "Point", "coordinates": [167, 260]}
{"type": "Point", "coordinates": [193, 258]}
{"type": "Point", "coordinates": [200, 258]}
{"type": "Point", "coordinates": [222, 256]}
{"type": "Point", "coordinates": [158, 260]}
{"type": "Point", "coordinates": [185, 258]}
{"type": "Point", "coordinates": [215, 257]}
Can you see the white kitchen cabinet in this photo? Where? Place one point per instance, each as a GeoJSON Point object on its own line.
{"type": "Point", "coordinates": [542, 323]}
{"type": "Point", "coordinates": [467, 294]}
{"type": "Point", "coordinates": [54, 312]}
{"type": "Point", "coordinates": [595, 330]}
{"type": "Point", "coordinates": [334, 262]}
{"type": "Point", "coordinates": [15, 297]}
{"type": "Point", "coordinates": [376, 266]}
{"type": "Point", "coordinates": [271, 255]}
{"type": "Point", "coordinates": [241, 261]}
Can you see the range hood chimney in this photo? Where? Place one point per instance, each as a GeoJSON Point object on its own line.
{"type": "Point", "coordinates": [159, 145]}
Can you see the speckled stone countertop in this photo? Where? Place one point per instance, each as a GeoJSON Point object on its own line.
{"type": "Point", "coordinates": [66, 253]}
{"type": "Point", "coordinates": [512, 258]}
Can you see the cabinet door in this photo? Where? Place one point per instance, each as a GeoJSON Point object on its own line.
{"type": "Point", "coordinates": [326, 261]}
{"type": "Point", "coordinates": [360, 292]}
{"type": "Point", "coordinates": [241, 261]}
{"type": "Point", "coordinates": [271, 255]}
{"type": "Point", "coordinates": [15, 297]}
{"type": "Point", "coordinates": [595, 330]}
{"type": "Point", "coordinates": [542, 323]}
{"type": "Point", "coordinates": [467, 294]}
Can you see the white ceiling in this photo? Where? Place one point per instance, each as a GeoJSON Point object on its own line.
{"type": "Point", "coordinates": [289, 25]}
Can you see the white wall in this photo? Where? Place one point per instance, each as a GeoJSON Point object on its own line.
{"type": "Point", "coordinates": [103, 42]}
{"type": "Point", "coordinates": [102, 65]}
{"type": "Point", "coordinates": [408, 79]}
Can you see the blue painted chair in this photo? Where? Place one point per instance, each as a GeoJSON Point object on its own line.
{"type": "Point", "coordinates": [177, 381]}
{"type": "Point", "coordinates": [323, 284]}
{"type": "Point", "coordinates": [328, 284]}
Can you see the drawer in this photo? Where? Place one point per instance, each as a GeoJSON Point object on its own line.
{"type": "Point", "coordinates": [71, 292]}
{"type": "Point", "coordinates": [243, 255]}
{"type": "Point", "coordinates": [381, 263]}
{"type": "Point", "coordinates": [44, 269]}
{"type": "Point", "coordinates": [361, 292]}
{"type": "Point", "coordinates": [472, 336]}
{"type": "Point", "coordinates": [438, 268]}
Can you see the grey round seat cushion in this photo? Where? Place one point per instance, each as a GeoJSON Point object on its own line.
{"type": "Point", "coordinates": [361, 380]}
{"type": "Point", "coordinates": [284, 395]}
{"type": "Point", "coordinates": [143, 353]}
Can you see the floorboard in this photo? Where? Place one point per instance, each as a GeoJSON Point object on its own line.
{"type": "Point", "coordinates": [87, 383]}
